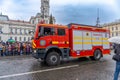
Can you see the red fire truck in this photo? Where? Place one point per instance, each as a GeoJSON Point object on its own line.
{"type": "Point", "coordinates": [51, 42]}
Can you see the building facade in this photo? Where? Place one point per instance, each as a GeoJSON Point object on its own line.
{"type": "Point", "coordinates": [114, 28]}
{"type": "Point", "coordinates": [44, 15]}
{"type": "Point", "coordinates": [15, 29]}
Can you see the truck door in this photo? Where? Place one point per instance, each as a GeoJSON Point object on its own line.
{"type": "Point", "coordinates": [63, 37]}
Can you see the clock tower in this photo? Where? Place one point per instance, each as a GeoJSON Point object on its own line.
{"type": "Point", "coordinates": [45, 8]}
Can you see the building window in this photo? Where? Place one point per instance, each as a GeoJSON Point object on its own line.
{"type": "Point", "coordinates": [20, 31]}
{"type": "Point", "coordinates": [1, 30]}
{"type": "Point", "coordinates": [116, 28]}
{"type": "Point", "coordinates": [24, 31]}
{"type": "Point", "coordinates": [32, 21]}
{"type": "Point", "coordinates": [20, 39]}
{"type": "Point", "coordinates": [29, 31]}
{"type": "Point", "coordinates": [15, 38]}
{"type": "Point", "coordinates": [116, 33]}
{"type": "Point", "coordinates": [0, 38]}
{"type": "Point", "coordinates": [15, 31]}
{"type": "Point", "coordinates": [28, 39]}
{"type": "Point", "coordinates": [11, 30]}
{"type": "Point", "coordinates": [24, 38]}
{"type": "Point", "coordinates": [112, 28]}
{"type": "Point", "coordinates": [112, 34]}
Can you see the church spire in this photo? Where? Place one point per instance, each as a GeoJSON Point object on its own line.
{"type": "Point", "coordinates": [98, 19]}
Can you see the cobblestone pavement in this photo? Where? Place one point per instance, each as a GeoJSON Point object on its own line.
{"type": "Point", "coordinates": [28, 68]}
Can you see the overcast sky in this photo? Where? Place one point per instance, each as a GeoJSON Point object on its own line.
{"type": "Point", "coordinates": [65, 11]}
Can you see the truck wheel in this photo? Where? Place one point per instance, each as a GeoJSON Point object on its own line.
{"type": "Point", "coordinates": [97, 55]}
{"type": "Point", "coordinates": [53, 59]}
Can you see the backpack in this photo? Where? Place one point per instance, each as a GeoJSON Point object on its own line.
{"type": "Point", "coordinates": [116, 56]}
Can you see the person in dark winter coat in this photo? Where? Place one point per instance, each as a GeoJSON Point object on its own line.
{"type": "Point", "coordinates": [21, 49]}
{"type": "Point", "coordinates": [117, 69]}
{"type": "Point", "coordinates": [27, 49]}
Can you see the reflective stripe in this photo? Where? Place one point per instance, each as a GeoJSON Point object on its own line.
{"type": "Point", "coordinates": [87, 42]}
{"type": "Point", "coordinates": [97, 42]}
{"type": "Point", "coordinates": [55, 42]}
{"type": "Point", "coordinates": [33, 44]}
{"type": "Point", "coordinates": [77, 42]}
{"type": "Point", "coordinates": [90, 42]}
{"type": "Point", "coordinates": [33, 47]}
{"type": "Point", "coordinates": [106, 43]}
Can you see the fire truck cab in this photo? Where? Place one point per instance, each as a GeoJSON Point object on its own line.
{"type": "Point", "coordinates": [51, 43]}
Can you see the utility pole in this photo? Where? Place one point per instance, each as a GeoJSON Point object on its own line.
{"type": "Point", "coordinates": [98, 19]}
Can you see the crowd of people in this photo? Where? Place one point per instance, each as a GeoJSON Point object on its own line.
{"type": "Point", "coordinates": [16, 48]}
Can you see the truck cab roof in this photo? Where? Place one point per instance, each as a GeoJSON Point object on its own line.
{"type": "Point", "coordinates": [53, 25]}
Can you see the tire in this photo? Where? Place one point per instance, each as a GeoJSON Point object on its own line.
{"type": "Point", "coordinates": [53, 59]}
{"type": "Point", "coordinates": [97, 55]}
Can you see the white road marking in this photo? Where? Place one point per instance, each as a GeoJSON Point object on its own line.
{"type": "Point", "coordinates": [76, 78]}
{"type": "Point", "coordinates": [40, 71]}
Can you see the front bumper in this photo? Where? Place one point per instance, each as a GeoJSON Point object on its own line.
{"type": "Point", "coordinates": [39, 53]}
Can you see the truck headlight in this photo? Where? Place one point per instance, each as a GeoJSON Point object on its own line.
{"type": "Point", "coordinates": [42, 42]}
{"type": "Point", "coordinates": [35, 51]}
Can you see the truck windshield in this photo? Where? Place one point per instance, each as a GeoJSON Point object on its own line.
{"type": "Point", "coordinates": [37, 32]}
{"type": "Point", "coordinates": [45, 31]}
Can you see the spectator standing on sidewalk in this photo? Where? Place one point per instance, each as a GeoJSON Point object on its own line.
{"type": "Point", "coordinates": [117, 69]}
{"type": "Point", "coordinates": [27, 49]}
{"type": "Point", "coordinates": [9, 49]}
{"type": "Point", "coordinates": [12, 49]}
{"type": "Point", "coordinates": [3, 50]}
{"type": "Point", "coordinates": [24, 48]}
{"type": "Point", "coordinates": [0, 49]}
{"type": "Point", "coordinates": [21, 49]}
{"type": "Point", "coordinates": [30, 48]}
{"type": "Point", "coordinates": [6, 46]}
{"type": "Point", "coordinates": [16, 48]}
